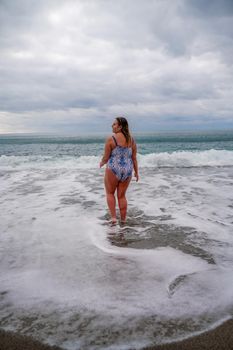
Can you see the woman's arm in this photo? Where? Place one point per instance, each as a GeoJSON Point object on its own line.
{"type": "Point", "coordinates": [107, 151]}
{"type": "Point", "coordinates": [135, 162]}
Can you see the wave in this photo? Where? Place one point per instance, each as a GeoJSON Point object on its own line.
{"type": "Point", "coordinates": [179, 159]}
{"type": "Point", "coordinates": [187, 159]}
{"type": "Point", "coordinates": [49, 161]}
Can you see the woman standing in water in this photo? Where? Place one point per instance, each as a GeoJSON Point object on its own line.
{"type": "Point", "coordinates": [120, 155]}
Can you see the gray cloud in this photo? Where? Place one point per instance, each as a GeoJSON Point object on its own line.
{"type": "Point", "coordinates": [213, 8]}
{"type": "Point", "coordinates": [77, 64]}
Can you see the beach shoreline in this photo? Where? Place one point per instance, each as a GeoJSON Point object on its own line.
{"type": "Point", "coordinates": [219, 338]}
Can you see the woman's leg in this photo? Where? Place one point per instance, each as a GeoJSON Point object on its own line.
{"type": "Point", "coordinates": [122, 202]}
{"type": "Point", "coordinates": [111, 182]}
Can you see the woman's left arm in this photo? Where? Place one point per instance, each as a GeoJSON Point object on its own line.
{"type": "Point", "coordinates": [107, 152]}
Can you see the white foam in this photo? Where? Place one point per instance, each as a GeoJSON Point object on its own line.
{"type": "Point", "coordinates": [209, 158]}
{"type": "Point", "coordinates": [187, 159]}
{"type": "Point", "coordinates": [55, 254]}
{"type": "Point", "coordinates": [39, 161]}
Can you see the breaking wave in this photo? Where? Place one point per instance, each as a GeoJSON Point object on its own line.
{"type": "Point", "coordinates": [210, 158]}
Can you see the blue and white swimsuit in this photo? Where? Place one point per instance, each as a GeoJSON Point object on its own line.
{"type": "Point", "coordinates": [120, 162]}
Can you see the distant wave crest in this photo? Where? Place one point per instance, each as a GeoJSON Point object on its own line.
{"type": "Point", "coordinates": [187, 159]}
{"type": "Point", "coordinates": [165, 159]}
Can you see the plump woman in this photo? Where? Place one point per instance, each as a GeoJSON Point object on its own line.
{"type": "Point", "coordinates": [120, 155]}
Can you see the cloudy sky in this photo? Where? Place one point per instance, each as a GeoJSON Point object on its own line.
{"type": "Point", "coordinates": [72, 66]}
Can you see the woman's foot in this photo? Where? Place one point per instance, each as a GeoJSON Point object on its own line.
{"type": "Point", "coordinates": [113, 221]}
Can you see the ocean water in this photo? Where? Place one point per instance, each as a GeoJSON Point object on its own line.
{"type": "Point", "coordinates": [68, 278]}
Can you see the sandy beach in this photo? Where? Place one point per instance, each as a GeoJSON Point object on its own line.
{"type": "Point", "coordinates": [220, 338]}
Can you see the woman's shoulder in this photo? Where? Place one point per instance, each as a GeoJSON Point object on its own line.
{"type": "Point", "coordinates": [110, 139]}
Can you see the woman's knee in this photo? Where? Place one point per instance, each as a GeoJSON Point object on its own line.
{"type": "Point", "coordinates": [110, 194]}
{"type": "Point", "coordinates": [122, 199]}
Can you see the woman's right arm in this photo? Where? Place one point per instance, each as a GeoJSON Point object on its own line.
{"type": "Point", "coordinates": [135, 162]}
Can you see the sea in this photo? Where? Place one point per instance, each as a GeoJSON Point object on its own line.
{"type": "Point", "coordinates": [69, 278]}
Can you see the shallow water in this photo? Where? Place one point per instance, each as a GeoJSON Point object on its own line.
{"type": "Point", "coordinates": [68, 278]}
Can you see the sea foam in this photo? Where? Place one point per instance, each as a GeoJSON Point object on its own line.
{"type": "Point", "coordinates": [165, 275]}
{"type": "Point", "coordinates": [178, 159]}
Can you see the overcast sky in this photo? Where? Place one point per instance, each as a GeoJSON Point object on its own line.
{"type": "Point", "coordinates": [72, 66]}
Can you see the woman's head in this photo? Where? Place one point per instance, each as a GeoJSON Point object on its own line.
{"type": "Point", "coordinates": [121, 125]}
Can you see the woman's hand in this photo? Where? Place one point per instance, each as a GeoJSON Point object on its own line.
{"type": "Point", "coordinates": [101, 164]}
{"type": "Point", "coordinates": [137, 176]}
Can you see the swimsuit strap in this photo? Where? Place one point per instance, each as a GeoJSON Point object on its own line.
{"type": "Point", "coordinates": [115, 140]}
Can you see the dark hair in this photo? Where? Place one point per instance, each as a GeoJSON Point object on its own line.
{"type": "Point", "coordinates": [124, 128]}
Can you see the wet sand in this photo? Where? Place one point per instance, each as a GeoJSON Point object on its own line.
{"type": "Point", "coordinates": [220, 338]}
{"type": "Point", "coordinates": [15, 341]}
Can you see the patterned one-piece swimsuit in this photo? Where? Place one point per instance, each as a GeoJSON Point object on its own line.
{"type": "Point", "coordinates": [120, 162]}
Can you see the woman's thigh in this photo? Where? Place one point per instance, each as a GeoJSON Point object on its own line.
{"type": "Point", "coordinates": [110, 181]}
{"type": "Point", "coordinates": [122, 187]}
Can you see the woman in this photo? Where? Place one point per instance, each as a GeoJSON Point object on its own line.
{"type": "Point", "coordinates": [121, 157]}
